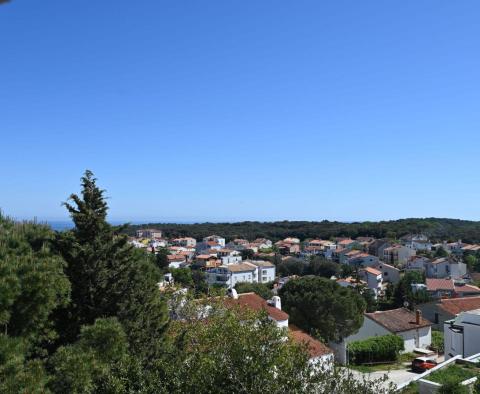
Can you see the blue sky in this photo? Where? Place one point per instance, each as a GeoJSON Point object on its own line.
{"type": "Point", "coordinates": [232, 110]}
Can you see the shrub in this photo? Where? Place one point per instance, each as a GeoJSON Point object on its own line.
{"type": "Point", "coordinates": [384, 348]}
{"type": "Point", "coordinates": [437, 341]}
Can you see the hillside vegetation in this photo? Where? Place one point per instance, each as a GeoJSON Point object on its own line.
{"type": "Point", "coordinates": [436, 228]}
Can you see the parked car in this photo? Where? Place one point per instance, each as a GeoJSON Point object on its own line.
{"type": "Point", "coordinates": [422, 364]}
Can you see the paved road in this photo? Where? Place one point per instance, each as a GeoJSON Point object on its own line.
{"type": "Point", "coordinates": [397, 376]}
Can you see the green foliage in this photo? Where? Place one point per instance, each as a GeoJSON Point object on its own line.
{"type": "Point", "coordinates": [161, 259]}
{"type": "Point", "coordinates": [319, 266]}
{"type": "Point", "coordinates": [403, 290]}
{"type": "Point", "coordinates": [384, 348]}
{"type": "Point", "coordinates": [440, 252]}
{"type": "Point", "coordinates": [241, 351]}
{"type": "Point", "coordinates": [247, 254]}
{"type": "Point", "coordinates": [98, 362]}
{"type": "Point", "coordinates": [322, 307]}
{"type": "Point", "coordinates": [18, 374]}
{"type": "Point", "coordinates": [262, 289]}
{"type": "Point", "coordinates": [32, 283]}
{"type": "Point", "coordinates": [108, 276]}
{"type": "Point", "coordinates": [369, 297]}
{"type": "Point", "coordinates": [437, 341]}
{"type": "Point", "coordinates": [437, 229]}
{"type": "Point", "coordinates": [452, 375]}
{"type": "Point", "coordinates": [291, 266]}
{"type": "Point", "coordinates": [182, 276]}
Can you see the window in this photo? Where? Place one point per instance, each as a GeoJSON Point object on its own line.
{"type": "Point", "coordinates": [436, 318]}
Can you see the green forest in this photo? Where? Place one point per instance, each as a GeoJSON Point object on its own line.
{"type": "Point", "coordinates": [81, 312]}
{"type": "Point", "coordinates": [437, 229]}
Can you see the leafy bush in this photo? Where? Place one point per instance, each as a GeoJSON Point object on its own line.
{"type": "Point", "coordinates": [437, 341]}
{"type": "Point", "coordinates": [377, 349]}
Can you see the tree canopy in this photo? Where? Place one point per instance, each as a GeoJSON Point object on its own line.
{"type": "Point", "coordinates": [322, 307]}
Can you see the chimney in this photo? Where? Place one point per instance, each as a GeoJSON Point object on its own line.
{"type": "Point", "coordinates": [418, 315]}
{"type": "Point", "coordinates": [277, 303]}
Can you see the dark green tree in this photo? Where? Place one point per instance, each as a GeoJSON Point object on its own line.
{"type": "Point", "coordinates": [247, 254]}
{"type": "Point", "coordinates": [261, 289]}
{"type": "Point", "coordinates": [441, 252]}
{"type": "Point", "coordinates": [108, 276]}
{"type": "Point", "coordinates": [322, 307]}
{"type": "Point", "coordinates": [322, 267]}
{"type": "Point", "coordinates": [161, 258]}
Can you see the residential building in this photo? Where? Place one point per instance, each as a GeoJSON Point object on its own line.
{"type": "Point", "coordinates": [449, 288]}
{"type": "Point", "coordinates": [265, 270]}
{"type": "Point", "coordinates": [417, 263]}
{"type": "Point", "coordinates": [462, 335]}
{"type": "Point", "coordinates": [230, 275]}
{"type": "Point", "coordinates": [347, 243]}
{"type": "Point", "coordinates": [229, 256]}
{"type": "Point", "coordinates": [319, 353]}
{"type": "Point", "coordinates": [390, 273]}
{"type": "Point", "coordinates": [215, 238]}
{"type": "Point", "coordinates": [373, 278]}
{"type": "Point", "coordinates": [439, 311]}
{"type": "Point", "coordinates": [411, 327]}
{"type": "Point", "coordinates": [397, 254]}
{"type": "Point", "coordinates": [446, 267]}
{"type": "Point", "coordinates": [150, 233]}
{"type": "Point", "coordinates": [187, 242]}
{"type": "Point", "coordinates": [176, 260]}
{"type": "Point", "coordinates": [207, 261]}
{"type": "Point", "coordinates": [417, 242]}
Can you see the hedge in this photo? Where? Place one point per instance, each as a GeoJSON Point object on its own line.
{"type": "Point", "coordinates": [384, 348]}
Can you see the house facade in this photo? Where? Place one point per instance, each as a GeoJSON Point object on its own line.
{"type": "Point", "coordinates": [462, 335]}
{"type": "Point", "coordinates": [415, 331]}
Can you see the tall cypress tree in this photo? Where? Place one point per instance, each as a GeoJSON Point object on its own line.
{"type": "Point", "coordinates": [108, 277]}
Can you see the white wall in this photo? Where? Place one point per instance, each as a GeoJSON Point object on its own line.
{"type": "Point", "coordinates": [421, 337]}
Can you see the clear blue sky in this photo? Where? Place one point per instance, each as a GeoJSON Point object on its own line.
{"type": "Point", "coordinates": [229, 110]}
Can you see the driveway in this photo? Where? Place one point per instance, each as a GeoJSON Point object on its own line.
{"type": "Point", "coordinates": [399, 377]}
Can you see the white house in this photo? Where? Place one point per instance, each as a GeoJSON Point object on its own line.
{"type": "Point", "coordinates": [462, 335]}
{"type": "Point", "coordinates": [265, 270]}
{"type": "Point", "coordinates": [320, 354]}
{"type": "Point", "coordinates": [373, 278]}
{"type": "Point", "coordinates": [415, 330]}
{"type": "Point", "coordinates": [215, 238]}
{"type": "Point", "coordinates": [397, 254]}
{"type": "Point", "coordinates": [149, 233]}
{"type": "Point", "coordinates": [229, 256]}
{"type": "Point", "coordinates": [185, 241]}
{"type": "Point", "coordinates": [230, 275]}
{"type": "Point", "coordinates": [390, 273]}
{"type": "Point", "coordinates": [445, 267]}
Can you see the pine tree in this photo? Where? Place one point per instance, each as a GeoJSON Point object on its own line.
{"type": "Point", "coordinates": [109, 278]}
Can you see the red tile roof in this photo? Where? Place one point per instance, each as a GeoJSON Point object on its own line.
{"type": "Point", "coordinates": [315, 347]}
{"type": "Point", "coordinates": [373, 271]}
{"type": "Point", "coordinates": [439, 284]}
{"type": "Point", "coordinates": [456, 305]}
{"type": "Point", "coordinates": [397, 320]}
{"type": "Point", "coordinates": [467, 289]}
{"type": "Point", "coordinates": [257, 303]}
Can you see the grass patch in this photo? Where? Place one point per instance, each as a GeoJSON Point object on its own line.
{"type": "Point", "coordinates": [399, 364]}
{"type": "Point", "coordinates": [456, 373]}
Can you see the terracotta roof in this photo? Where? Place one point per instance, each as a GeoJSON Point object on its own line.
{"type": "Point", "coordinates": [257, 303]}
{"type": "Point", "coordinates": [315, 347]}
{"type": "Point", "coordinates": [346, 242]}
{"type": "Point", "coordinates": [204, 256]}
{"type": "Point", "coordinates": [456, 305]}
{"type": "Point", "coordinates": [440, 260]}
{"type": "Point", "coordinates": [174, 257]}
{"type": "Point", "coordinates": [439, 284]}
{"type": "Point", "coordinates": [467, 289]}
{"type": "Point", "coordinates": [242, 267]}
{"type": "Point", "coordinates": [372, 271]}
{"type": "Point", "coordinates": [261, 263]}
{"type": "Point", "coordinates": [397, 320]}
